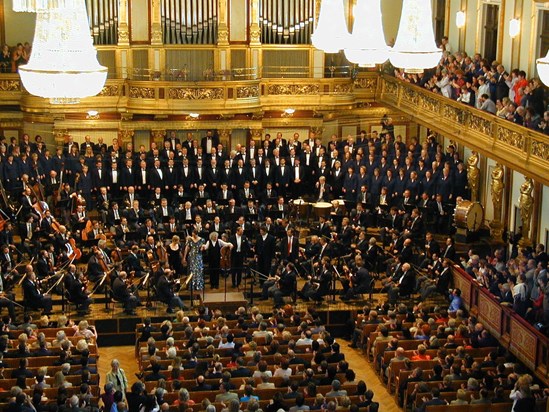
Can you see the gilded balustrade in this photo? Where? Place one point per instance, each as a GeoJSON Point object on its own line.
{"type": "Point", "coordinates": [522, 149]}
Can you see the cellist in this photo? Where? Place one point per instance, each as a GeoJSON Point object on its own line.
{"type": "Point", "coordinates": [215, 248]}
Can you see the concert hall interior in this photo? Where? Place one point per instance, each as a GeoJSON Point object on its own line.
{"type": "Point", "coordinates": [265, 205]}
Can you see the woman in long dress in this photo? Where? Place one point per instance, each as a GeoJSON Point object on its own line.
{"type": "Point", "coordinates": [193, 257]}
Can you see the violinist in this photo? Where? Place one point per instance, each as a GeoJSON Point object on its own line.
{"type": "Point", "coordinates": [165, 291]}
{"type": "Point", "coordinates": [214, 246]}
{"type": "Point", "coordinates": [133, 264]}
{"type": "Point", "coordinates": [46, 224]}
{"type": "Point", "coordinates": [7, 263]}
{"type": "Point", "coordinates": [29, 237]}
{"type": "Point", "coordinates": [27, 204]}
{"type": "Point", "coordinates": [6, 236]}
{"type": "Point", "coordinates": [44, 266]}
{"type": "Point", "coordinates": [78, 294]}
{"type": "Point", "coordinates": [282, 284]}
{"type": "Point", "coordinates": [121, 231]}
{"type": "Point", "coordinates": [123, 293]}
{"type": "Point", "coordinates": [95, 269]}
{"type": "Point", "coordinates": [357, 281]}
{"type": "Point", "coordinates": [318, 284]}
{"type": "Point", "coordinates": [70, 277]}
{"type": "Point", "coordinates": [7, 299]}
{"type": "Point", "coordinates": [33, 298]}
{"type": "Point", "coordinates": [79, 218]}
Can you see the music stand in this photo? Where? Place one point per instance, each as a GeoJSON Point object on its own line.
{"type": "Point", "coordinates": [188, 281]}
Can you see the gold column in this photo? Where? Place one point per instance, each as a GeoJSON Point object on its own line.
{"type": "Point", "coordinates": [497, 186]}
{"type": "Point", "coordinates": [515, 42]}
{"type": "Point", "coordinates": [222, 24]}
{"type": "Point", "coordinates": [473, 175]}
{"type": "Point", "coordinates": [123, 27]}
{"type": "Point", "coordinates": [156, 26]}
{"type": "Point", "coordinates": [255, 31]}
{"type": "Point", "coordinates": [225, 137]}
{"type": "Point", "coordinates": [526, 207]}
{"type": "Point", "coordinates": [125, 136]}
{"type": "Point", "coordinates": [462, 31]}
{"type": "Point", "coordinates": [158, 136]}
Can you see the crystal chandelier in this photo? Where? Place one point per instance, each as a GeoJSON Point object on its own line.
{"type": "Point", "coordinates": [542, 65]}
{"type": "Point", "coordinates": [415, 48]}
{"type": "Point", "coordinates": [366, 45]}
{"type": "Point", "coordinates": [331, 32]}
{"type": "Point", "coordinates": [63, 65]}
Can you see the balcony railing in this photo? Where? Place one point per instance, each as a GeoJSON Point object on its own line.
{"type": "Point", "coordinates": [525, 149]}
{"type": "Point", "coordinates": [522, 339]}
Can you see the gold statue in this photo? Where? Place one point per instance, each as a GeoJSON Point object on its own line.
{"type": "Point", "coordinates": [497, 187]}
{"type": "Point", "coordinates": [526, 206]}
{"type": "Point", "coordinates": [473, 175]}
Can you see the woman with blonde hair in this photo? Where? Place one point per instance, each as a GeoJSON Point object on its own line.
{"type": "Point", "coordinates": [59, 381]}
{"type": "Point", "coordinates": [86, 331]}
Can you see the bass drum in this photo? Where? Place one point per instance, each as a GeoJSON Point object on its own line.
{"type": "Point", "coordinates": [469, 215]}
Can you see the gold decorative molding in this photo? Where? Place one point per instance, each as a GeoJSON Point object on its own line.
{"type": "Point", "coordinates": [110, 90]}
{"type": "Point", "coordinates": [158, 136]}
{"type": "Point", "coordinates": [125, 136]}
{"type": "Point", "coordinates": [257, 134]}
{"type": "Point", "coordinates": [343, 88]}
{"type": "Point", "coordinates": [142, 92]}
{"type": "Point", "coordinates": [510, 137]}
{"type": "Point", "coordinates": [480, 124]}
{"type": "Point", "coordinates": [454, 114]}
{"type": "Point", "coordinates": [200, 93]}
{"type": "Point", "coordinates": [368, 83]}
{"type": "Point", "coordinates": [293, 89]}
{"type": "Point", "coordinates": [540, 149]}
{"type": "Point", "coordinates": [10, 85]}
{"type": "Point", "coordinates": [247, 92]}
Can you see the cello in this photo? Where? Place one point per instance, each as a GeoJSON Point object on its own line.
{"type": "Point", "coordinates": [225, 262]}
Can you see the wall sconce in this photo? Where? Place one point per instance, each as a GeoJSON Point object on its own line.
{"type": "Point", "coordinates": [514, 28]}
{"type": "Point", "coordinates": [92, 115]}
{"type": "Point", "coordinates": [193, 116]}
{"type": "Point", "coordinates": [460, 19]}
{"type": "Point", "coordinates": [289, 112]}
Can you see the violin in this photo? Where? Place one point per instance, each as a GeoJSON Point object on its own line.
{"type": "Point", "coordinates": [225, 262]}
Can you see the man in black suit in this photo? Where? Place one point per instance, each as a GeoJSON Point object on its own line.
{"type": "Point", "coordinates": [359, 281]}
{"type": "Point", "coordinates": [165, 291]}
{"type": "Point", "coordinates": [392, 222]}
{"type": "Point", "coordinates": [449, 252]}
{"type": "Point", "coordinates": [289, 246]}
{"type": "Point", "coordinates": [238, 254]}
{"type": "Point", "coordinates": [78, 295]}
{"type": "Point", "coordinates": [122, 293]}
{"type": "Point", "coordinates": [173, 139]}
{"type": "Point", "coordinates": [404, 285]}
{"type": "Point", "coordinates": [132, 262]}
{"type": "Point", "coordinates": [241, 370]}
{"type": "Point", "coordinates": [265, 246]}
{"type": "Point", "coordinates": [33, 298]}
{"type": "Point", "coordinates": [209, 141]}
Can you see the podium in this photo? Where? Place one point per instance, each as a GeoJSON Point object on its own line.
{"type": "Point", "coordinates": [217, 301]}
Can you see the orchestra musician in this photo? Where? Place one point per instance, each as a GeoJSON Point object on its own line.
{"type": "Point", "coordinates": [318, 284]}
{"type": "Point", "coordinates": [165, 293]}
{"type": "Point", "coordinates": [356, 281]}
{"type": "Point", "coordinates": [33, 298]}
{"type": "Point", "coordinates": [214, 246]}
{"type": "Point", "coordinates": [240, 250]}
{"type": "Point", "coordinates": [78, 294]}
{"type": "Point", "coordinates": [283, 283]}
{"type": "Point", "coordinates": [122, 292]}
